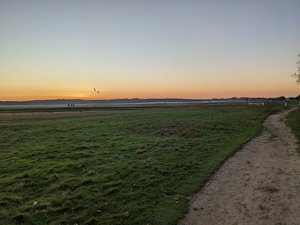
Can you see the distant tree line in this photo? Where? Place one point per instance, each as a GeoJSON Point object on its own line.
{"type": "Point", "coordinates": [282, 98]}
{"type": "Point", "coordinates": [295, 98]}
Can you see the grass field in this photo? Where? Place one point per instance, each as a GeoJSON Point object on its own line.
{"type": "Point", "coordinates": [293, 121]}
{"type": "Point", "coordinates": [130, 166]}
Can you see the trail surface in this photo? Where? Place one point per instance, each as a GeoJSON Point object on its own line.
{"type": "Point", "coordinates": [259, 185]}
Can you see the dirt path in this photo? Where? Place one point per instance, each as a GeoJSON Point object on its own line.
{"type": "Point", "coordinates": [258, 185]}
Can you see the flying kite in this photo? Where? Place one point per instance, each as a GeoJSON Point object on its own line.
{"type": "Point", "coordinates": [96, 91]}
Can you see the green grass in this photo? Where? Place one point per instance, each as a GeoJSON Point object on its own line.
{"type": "Point", "coordinates": [293, 121]}
{"type": "Point", "coordinates": [130, 166]}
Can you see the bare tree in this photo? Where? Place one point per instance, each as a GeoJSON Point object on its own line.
{"type": "Point", "coordinates": [297, 75]}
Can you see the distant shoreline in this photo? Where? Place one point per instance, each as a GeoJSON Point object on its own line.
{"type": "Point", "coordinates": [134, 101]}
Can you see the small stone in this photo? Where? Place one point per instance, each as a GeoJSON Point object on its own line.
{"type": "Point", "coordinates": [262, 207]}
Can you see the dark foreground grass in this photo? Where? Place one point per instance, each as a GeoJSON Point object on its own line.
{"type": "Point", "coordinates": [136, 166]}
{"type": "Point", "coordinates": [293, 121]}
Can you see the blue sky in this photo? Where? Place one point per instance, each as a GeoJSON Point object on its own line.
{"type": "Point", "coordinates": [194, 49]}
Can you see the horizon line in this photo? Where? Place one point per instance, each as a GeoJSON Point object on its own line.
{"type": "Point", "coordinates": [135, 98]}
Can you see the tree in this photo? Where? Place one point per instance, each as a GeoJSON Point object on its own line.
{"type": "Point", "coordinates": [297, 75]}
{"type": "Point", "coordinates": [281, 98]}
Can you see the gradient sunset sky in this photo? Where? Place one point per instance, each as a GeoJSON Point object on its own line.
{"type": "Point", "coordinates": [52, 49]}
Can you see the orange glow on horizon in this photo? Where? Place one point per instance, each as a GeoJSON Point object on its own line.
{"type": "Point", "coordinates": [200, 93]}
{"type": "Point", "coordinates": [165, 88]}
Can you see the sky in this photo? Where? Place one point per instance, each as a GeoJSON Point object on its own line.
{"type": "Point", "coordinates": [54, 49]}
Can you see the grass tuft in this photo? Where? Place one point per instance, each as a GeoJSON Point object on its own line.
{"type": "Point", "coordinates": [53, 178]}
{"type": "Point", "coordinates": [21, 217]}
{"type": "Point", "coordinates": [293, 121]}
